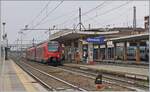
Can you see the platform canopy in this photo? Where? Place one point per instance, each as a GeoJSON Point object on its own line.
{"type": "Point", "coordinates": [70, 34]}
{"type": "Point", "coordinates": [137, 37]}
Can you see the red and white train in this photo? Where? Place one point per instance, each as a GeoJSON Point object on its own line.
{"type": "Point", "coordinates": [47, 52]}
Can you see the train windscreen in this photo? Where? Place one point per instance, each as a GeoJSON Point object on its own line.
{"type": "Point", "coordinates": [53, 46]}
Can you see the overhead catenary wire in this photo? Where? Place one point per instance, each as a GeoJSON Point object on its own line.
{"type": "Point", "coordinates": [61, 16]}
{"type": "Point", "coordinates": [115, 17]}
{"type": "Point", "coordinates": [91, 10]}
{"type": "Point", "coordinates": [48, 14]}
{"type": "Point", "coordinates": [108, 11]}
{"type": "Point", "coordinates": [85, 13]}
{"type": "Point", "coordinates": [38, 15]}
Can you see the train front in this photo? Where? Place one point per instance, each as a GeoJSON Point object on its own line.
{"type": "Point", "coordinates": [54, 53]}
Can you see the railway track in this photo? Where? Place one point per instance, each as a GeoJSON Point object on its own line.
{"type": "Point", "coordinates": [127, 82]}
{"type": "Point", "coordinates": [51, 82]}
{"type": "Point", "coordinates": [78, 78]}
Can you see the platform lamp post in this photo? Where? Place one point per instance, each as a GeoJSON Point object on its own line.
{"type": "Point", "coordinates": [3, 59]}
{"type": "Point", "coordinates": [4, 39]}
{"type": "Point", "coordinates": [21, 33]}
{"type": "Point", "coordinates": [21, 39]}
{"type": "Point", "coordinates": [17, 47]}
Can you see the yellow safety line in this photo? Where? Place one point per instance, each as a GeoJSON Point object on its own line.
{"type": "Point", "coordinates": [23, 78]}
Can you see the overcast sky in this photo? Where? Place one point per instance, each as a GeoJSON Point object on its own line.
{"type": "Point", "coordinates": [17, 14]}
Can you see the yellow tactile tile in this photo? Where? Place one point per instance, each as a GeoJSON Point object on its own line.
{"type": "Point", "coordinates": [23, 78]}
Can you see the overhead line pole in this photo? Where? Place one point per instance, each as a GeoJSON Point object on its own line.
{"type": "Point", "coordinates": [134, 18]}
{"type": "Point", "coordinates": [21, 42]}
{"type": "Point", "coordinates": [80, 19]}
{"type": "Point", "coordinates": [18, 47]}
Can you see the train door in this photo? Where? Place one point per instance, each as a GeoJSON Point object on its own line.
{"type": "Point", "coordinates": [69, 54]}
{"type": "Point", "coordinates": [119, 51]}
{"type": "Point", "coordinates": [131, 53]}
{"type": "Point", "coordinates": [102, 52]}
{"type": "Point", "coordinates": [142, 53]}
{"type": "Point", "coordinates": [85, 53]}
{"type": "Point", "coordinates": [95, 52]}
{"type": "Point", "coordinates": [147, 51]}
{"type": "Point", "coordinates": [110, 52]}
{"type": "Point", "coordinates": [147, 54]}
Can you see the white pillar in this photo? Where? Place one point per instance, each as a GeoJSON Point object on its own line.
{"type": "Point", "coordinates": [73, 51]}
{"type": "Point", "coordinates": [138, 53]}
{"type": "Point", "coordinates": [90, 52]}
{"type": "Point", "coordinates": [106, 51]}
{"type": "Point", "coordinates": [125, 51]}
{"type": "Point", "coordinates": [115, 51]}
{"type": "Point", "coordinates": [80, 48]}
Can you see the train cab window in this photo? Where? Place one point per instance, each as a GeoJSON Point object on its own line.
{"type": "Point", "coordinates": [52, 47]}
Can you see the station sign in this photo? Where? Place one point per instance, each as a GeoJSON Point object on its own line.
{"type": "Point", "coordinates": [98, 40]}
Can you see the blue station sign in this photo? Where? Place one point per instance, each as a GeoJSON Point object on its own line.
{"type": "Point", "coordinates": [99, 40]}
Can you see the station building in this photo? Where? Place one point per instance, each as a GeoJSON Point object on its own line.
{"type": "Point", "coordinates": [146, 22]}
{"type": "Point", "coordinates": [125, 44]}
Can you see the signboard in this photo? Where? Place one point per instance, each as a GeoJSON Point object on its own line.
{"type": "Point", "coordinates": [102, 46]}
{"type": "Point", "coordinates": [110, 44]}
{"type": "Point", "coordinates": [99, 40]}
{"type": "Point", "coordinates": [84, 42]}
{"type": "Point", "coordinates": [90, 52]}
{"type": "Point", "coordinates": [95, 47]}
{"type": "Point", "coordinates": [120, 44]}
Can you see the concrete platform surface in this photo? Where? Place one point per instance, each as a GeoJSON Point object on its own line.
{"type": "Point", "coordinates": [114, 68]}
{"type": "Point", "coordinates": [14, 79]}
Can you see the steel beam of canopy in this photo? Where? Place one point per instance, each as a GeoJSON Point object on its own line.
{"type": "Point", "coordinates": [137, 37]}
{"type": "Point", "coordinates": [43, 29]}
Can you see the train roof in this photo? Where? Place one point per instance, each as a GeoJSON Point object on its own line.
{"type": "Point", "coordinates": [41, 43]}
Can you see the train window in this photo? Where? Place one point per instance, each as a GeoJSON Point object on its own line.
{"type": "Point", "coordinates": [52, 46]}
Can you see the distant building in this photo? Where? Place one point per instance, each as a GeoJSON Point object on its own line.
{"type": "Point", "coordinates": [146, 22]}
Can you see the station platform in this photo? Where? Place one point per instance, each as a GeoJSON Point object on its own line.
{"type": "Point", "coordinates": [14, 79]}
{"type": "Point", "coordinates": [112, 68]}
{"type": "Point", "coordinates": [131, 62]}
